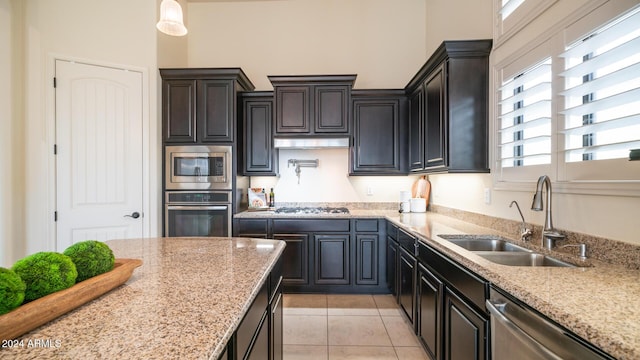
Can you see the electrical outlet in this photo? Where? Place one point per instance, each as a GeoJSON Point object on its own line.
{"type": "Point", "coordinates": [487, 196]}
{"type": "Point", "coordinates": [369, 190]}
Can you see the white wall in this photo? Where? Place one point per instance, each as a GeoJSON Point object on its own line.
{"type": "Point", "coordinates": [12, 192]}
{"type": "Point", "coordinates": [457, 20]}
{"type": "Point", "coordinates": [172, 50]}
{"type": "Point", "coordinates": [116, 32]}
{"type": "Point", "coordinates": [382, 41]}
{"type": "Point", "coordinates": [329, 181]}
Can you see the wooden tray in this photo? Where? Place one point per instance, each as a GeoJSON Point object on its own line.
{"type": "Point", "coordinates": [40, 311]}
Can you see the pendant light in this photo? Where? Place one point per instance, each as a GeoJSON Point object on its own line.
{"type": "Point", "coordinates": [171, 19]}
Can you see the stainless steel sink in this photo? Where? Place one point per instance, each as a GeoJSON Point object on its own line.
{"type": "Point", "coordinates": [522, 259]}
{"type": "Point", "coordinates": [500, 251]}
{"type": "Point", "coordinates": [483, 243]}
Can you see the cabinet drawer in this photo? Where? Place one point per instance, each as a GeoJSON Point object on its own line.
{"type": "Point", "coordinates": [368, 225]}
{"type": "Point", "coordinates": [309, 225]}
{"type": "Point", "coordinates": [275, 278]}
{"type": "Point", "coordinates": [252, 226]}
{"type": "Point", "coordinates": [251, 321]}
{"type": "Point", "coordinates": [468, 284]}
{"type": "Point", "coordinates": [392, 230]}
{"type": "Point", "coordinates": [407, 241]}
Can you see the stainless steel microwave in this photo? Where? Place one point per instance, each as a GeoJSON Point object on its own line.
{"type": "Point", "coordinates": [198, 167]}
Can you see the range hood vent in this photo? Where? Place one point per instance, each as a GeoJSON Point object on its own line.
{"type": "Point", "coordinates": [311, 143]}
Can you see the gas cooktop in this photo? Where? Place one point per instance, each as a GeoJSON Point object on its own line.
{"type": "Point", "coordinates": [312, 210]}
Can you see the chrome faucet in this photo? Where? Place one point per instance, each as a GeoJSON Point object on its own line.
{"type": "Point", "coordinates": [581, 247]}
{"type": "Point", "coordinates": [549, 234]}
{"type": "Point", "coordinates": [525, 233]}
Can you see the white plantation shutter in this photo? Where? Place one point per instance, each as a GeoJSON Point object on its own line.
{"type": "Point", "coordinates": [508, 7]}
{"type": "Point", "coordinates": [602, 92]}
{"type": "Point", "coordinates": [525, 118]}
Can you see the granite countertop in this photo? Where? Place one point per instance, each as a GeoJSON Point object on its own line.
{"type": "Point", "coordinates": [598, 301]}
{"type": "Point", "coordinates": [184, 302]}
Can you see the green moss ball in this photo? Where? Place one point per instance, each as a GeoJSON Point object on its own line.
{"type": "Point", "coordinates": [91, 257]}
{"type": "Point", "coordinates": [11, 290]}
{"type": "Point", "coordinates": [45, 273]}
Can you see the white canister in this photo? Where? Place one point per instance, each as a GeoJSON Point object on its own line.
{"type": "Point", "coordinates": [405, 204]}
{"type": "Point", "coordinates": [418, 205]}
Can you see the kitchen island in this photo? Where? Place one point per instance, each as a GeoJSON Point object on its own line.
{"type": "Point", "coordinates": [185, 302]}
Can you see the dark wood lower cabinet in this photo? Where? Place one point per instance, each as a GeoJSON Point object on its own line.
{"type": "Point", "coordinates": [407, 284]}
{"type": "Point", "coordinates": [259, 335]}
{"type": "Point", "coordinates": [337, 255]}
{"type": "Point", "coordinates": [260, 346]}
{"type": "Point", "coordinates": [392, 266]}
{"type": "Point", "coordinates": [430, 298]}
{"type": "Point", "coordinates": [465, 333]}
{"type": "Point", "coordinates": [332, 259]}
{"type": "Point", "coordinates": [367, 259]}
{"type": "Point", "coordinates": [295, 267]}
{"type": "Point", "coordinates": [244, 337]}
{"type": "Point", "coordinates": [276, 326]}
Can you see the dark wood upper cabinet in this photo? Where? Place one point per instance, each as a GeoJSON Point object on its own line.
{"type": "Point", "coordinates": [332, 108]}
{"type": "Point", "coordinates": [258, 152]}
{"type": "Point", "coordinates": [379, 133]}
{"type": "Point", "coordinates": [215, 110]}
{"type": "Point", "coordinates": [312, 105]}
{"type": "Point", "coordinates": [293, 109]}
{"type": "Point", "coordinates": [449, 109]}
{"type": "Point", "coordinates": [416, 131]}
{"type": "Point", "coordinates": [200, 105]}
{"type": "Point", "coordinates": [434, 120]}
{"type": "Point", "coordinates": [178, 111]}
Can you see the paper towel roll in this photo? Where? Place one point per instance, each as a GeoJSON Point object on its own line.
{"type": "Point", "coordinates": [418, 205]}
{"type": "Point", "coordinates": [405, 196]}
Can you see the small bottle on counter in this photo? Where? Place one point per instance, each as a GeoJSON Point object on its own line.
{"type": "Point", "coordinates": [272, 198]}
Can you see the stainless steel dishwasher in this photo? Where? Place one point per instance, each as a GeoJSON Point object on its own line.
{"type": "Point", "coordinates": [518, 332]}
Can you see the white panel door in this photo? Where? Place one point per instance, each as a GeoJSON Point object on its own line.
{"type": "Point", "coordinates": [99, 153]}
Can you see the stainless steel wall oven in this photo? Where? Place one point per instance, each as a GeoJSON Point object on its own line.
{"type": "Point", "coordinates": [197, 213]}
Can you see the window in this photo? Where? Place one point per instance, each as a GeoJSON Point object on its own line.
{"type": "Point", "coordinates": [525, 117]}
{"type": "Point", "coordinates": [568, 103]}
{"type": "Point", "coordinates": [602, 92]}
{"type": "Point", "coordinates": [508, 7]}
{"type": "Point", "coordinates": [513, 15]}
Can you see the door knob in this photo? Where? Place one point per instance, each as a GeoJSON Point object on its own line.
{"type": "Point", "coordinates": [134, 215]}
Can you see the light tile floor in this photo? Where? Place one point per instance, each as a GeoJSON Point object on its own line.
{"type": "Point", "coordinates": [334, 327]}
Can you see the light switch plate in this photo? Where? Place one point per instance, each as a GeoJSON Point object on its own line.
{"type": "Point", "coordinates": [487, 196]}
